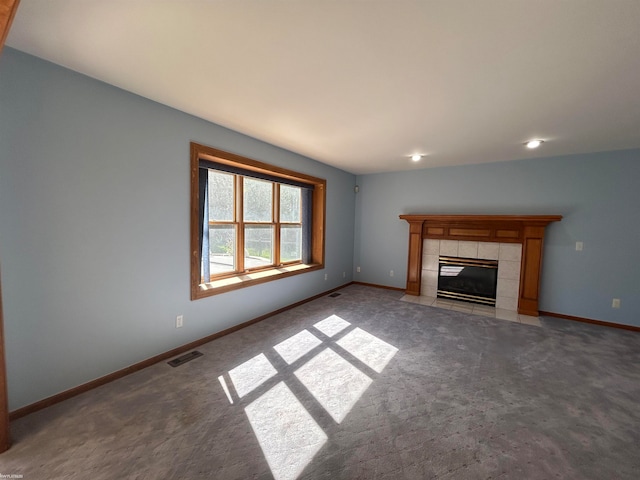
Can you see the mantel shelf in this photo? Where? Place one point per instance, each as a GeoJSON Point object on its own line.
{"type": "Point", "coordinates": [527, 230]}
{"type": "Point", "coordinates": [546, 219]}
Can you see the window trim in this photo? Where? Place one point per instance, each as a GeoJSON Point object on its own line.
{"type": "Point", "coordinates": [254, 277]}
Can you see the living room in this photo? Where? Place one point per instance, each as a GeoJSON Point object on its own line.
{"type": "Point", "coordinates": [95, 181]}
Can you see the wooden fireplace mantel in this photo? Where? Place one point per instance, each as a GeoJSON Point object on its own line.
{"type": "Point", "coordinates": [527, 230]}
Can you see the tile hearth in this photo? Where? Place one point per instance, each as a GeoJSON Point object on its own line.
{"type": "Point", "coordinates": [483, 310]}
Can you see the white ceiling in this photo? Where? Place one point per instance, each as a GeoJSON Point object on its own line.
{"type": "Point", "coordinates": [362, 84]}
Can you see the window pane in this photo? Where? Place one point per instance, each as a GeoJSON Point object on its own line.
{"type": "Point", "coordinates": [258, 200]}
{"type": "Point", "coordinates": [222, 246]}
{"type": "Point", "coordinates": [220, 196]}
{"type": "Point", "coordinates": [290, 204]}
{"type": "Point", "coordinates": [290, 243]}
{"type": "Point", "coordinates": [258, 245]}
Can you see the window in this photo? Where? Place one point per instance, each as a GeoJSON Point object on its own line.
{"type": "Point", "coordinates": [251, 222]}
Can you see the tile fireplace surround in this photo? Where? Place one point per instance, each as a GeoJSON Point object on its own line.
{"type": "Point", "coordinates": [507, 254]}
{"type": "Point", "coordinates": [516, 241]}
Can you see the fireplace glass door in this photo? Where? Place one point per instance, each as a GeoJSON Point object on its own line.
{"type": "Point", "coordinates": [468, 279]}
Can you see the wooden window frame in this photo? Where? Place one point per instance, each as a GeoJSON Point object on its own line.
{"type": "Point", "coordinates": [235, 280]}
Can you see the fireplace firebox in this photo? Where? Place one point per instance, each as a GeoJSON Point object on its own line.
{"type": "Point", "coordinates": [471, 280]}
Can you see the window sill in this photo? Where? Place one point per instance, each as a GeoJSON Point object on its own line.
{"type": "Point", "coordinates": [248, 279]}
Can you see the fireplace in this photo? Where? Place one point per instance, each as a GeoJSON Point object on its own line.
{"type": "Point", "coordinates": [468, 279]}
{"type": "Point", "coordinates": [526, 231]}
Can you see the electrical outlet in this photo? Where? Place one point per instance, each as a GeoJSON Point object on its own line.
{"type": "Point", "coordinates": [179, 321]}
{"type": "Point", "coordinates": [344, 274]}
{"type": "Point", "coordinates": [615, 303]}
{"type": "Point", "coordinates": [358, 269]}
{"type": "Point", "coordinates": [391, 273]}
{"type": "Point", "coordinates": [326, 276]}
{"type": "Point", "coordinates": [579, 246]}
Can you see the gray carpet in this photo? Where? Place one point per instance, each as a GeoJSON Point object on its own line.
{"type": "Point", "coordinates": [385, 389]}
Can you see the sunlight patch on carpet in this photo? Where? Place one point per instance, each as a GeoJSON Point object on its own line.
{"type": "Point", "coordinates": [297, 346]}
{"type": "Point", "coordinates": [332, 325]}
{"type": "Point", "coordinates": [223, 382]}
{"type": "Point", "coordinates": [288, 435]}
{"type": "Point", "coordinates": [249, 375]}
{"type": "Point", "coordinates": [367, 348]}
{"type": "Point", "coordinates": [334, 382]}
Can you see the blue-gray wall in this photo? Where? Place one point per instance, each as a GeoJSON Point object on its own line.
{"type": "Point", "coordinates": [94, 228]}
{"type": "Point", "coordinates": [598, 194]}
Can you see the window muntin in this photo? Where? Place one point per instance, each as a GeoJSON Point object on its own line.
{"type": "Point", "coordinates": [260, 219]}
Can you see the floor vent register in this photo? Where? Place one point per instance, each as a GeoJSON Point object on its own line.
{"type": "Point", "coordinates": [176, 362]}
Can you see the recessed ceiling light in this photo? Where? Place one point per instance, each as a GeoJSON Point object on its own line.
{"type": "Point", "coordinates": [416, 157]}
{"type": "Point", "coordinates": [534, 143]}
